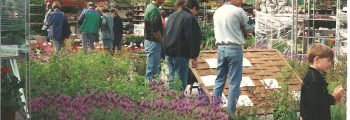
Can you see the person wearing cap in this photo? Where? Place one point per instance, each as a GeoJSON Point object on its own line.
{"type": "Point", "coordinates": [89, 21]}
{"type": "Point", "coordinates": [230, 20]}
{"type": "Point", "coordinates": [153, 35]}
{"type": "Point", "coordinates": [182, 40]}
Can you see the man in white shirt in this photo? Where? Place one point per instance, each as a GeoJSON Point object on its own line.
{"type": "Point", "coordinates": [230, 21]}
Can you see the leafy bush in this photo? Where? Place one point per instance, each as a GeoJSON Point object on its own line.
{"type": "Point", "coordinates": [72, 73]}
{"type": "Point", "coordinates": [280, 45]}
{"type": "Point", "coordinates": [133, 38]}
{"type": "Point", "coordinates": [208, 39]}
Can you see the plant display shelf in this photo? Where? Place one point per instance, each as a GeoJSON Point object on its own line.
{"type": "Point", "coordinates": [138, 14]}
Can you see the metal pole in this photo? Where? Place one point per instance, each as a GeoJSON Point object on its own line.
{"type": "Point", "coordinates": [337, 34]}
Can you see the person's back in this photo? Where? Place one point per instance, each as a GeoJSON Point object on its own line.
{"type": "Point", "coordinates": [182, 35]}
{"type": "Point", "coordinates": [55, 23]}
{"type": "Point", "coordinates": [118, 25]}
{"type": "Point", "coordinates": [153, 22]}
{"type": "Point", "coordinates": [89, 21]}
{"type": "Point", "coordinates": [230, 21]}
{"type": "Point", "coordinates": [107, 26]}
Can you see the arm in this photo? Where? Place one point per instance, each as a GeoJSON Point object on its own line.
{"type": "Point", "coordinates": [156, 24]}
{"type": "Point", "coordinates": [194, 36]}
{"type": "Point", "coordinates": [81, 17]}
{"type": "Point", "coordinates": [246, 23]}
{"type": "Point", "coordinates": [50, 18]}
{"type": "Point", "coordinates": [158, 36]}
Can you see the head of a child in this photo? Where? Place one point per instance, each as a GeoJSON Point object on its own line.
{"type": "Point", "coordinates": [320, 56]}
{"type": "Point", "coordinates": [105, 10]}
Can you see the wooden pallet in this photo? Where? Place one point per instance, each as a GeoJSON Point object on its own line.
{"type": "Point", "coordinates": [265, 64]}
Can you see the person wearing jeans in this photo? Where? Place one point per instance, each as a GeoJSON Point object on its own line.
{"type": "Point", "coordinates": [153, 38]}
{"type": "Point", "coordinates": [230, 61]}
{"type": "Point", "coordinates": [153, 50]}
{"type": "Point", "coordinates": [229, 28]}
{"type": "Point", "coordinates": [178, 68]}
{"type": "Point", "coordinates": [182, 39]}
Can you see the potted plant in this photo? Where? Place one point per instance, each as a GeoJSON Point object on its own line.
{"type": "Point", "coordinates": [10, 95]}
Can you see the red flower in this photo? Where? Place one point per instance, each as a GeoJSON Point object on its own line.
{"type": "Point", "coordinates": [75, 48]}
{"type": "Point", "coordinates": [39, 43]}
{"type": "Point", "coordinates": [5, 70]}
{"type": "Point", "coordinates": [331, 40]}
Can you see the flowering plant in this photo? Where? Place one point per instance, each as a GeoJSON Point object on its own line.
{"type": "Point", "coordinates": [10, 86]}
{"type": "Point", "coordinates": [40, 50]}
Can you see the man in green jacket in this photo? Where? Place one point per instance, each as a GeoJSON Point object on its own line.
{"type": "Point", "coordinates": [89, 21]}
{"type": "Point", "coordinates": [153, 35]}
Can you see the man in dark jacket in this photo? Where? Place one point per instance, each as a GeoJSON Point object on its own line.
{"type": "Point", "coordinates": [55, 23]}
{"type": "Point", "coordinates": [182, 39]}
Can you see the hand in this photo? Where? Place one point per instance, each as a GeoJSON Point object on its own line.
{"type": "Point", "coordinates": [194, 63]}
{"type": "Point", "coordinates": [338, 93]}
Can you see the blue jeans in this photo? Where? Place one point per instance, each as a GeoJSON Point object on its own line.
{"type": "Point", "coordinates": [153, 50]}
{"type": "Point", "coordinates": [178, 67]}
{"type": "Point", "coordinates": [230, 60]}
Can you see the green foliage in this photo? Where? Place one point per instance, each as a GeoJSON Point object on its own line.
{"type": "Point", "coordinates": [133, 38]}
{"type": "Point", "coordinates": [249, 43]}
{"type": "Point", "coordinates": [10, 86]}
{"type": "Point", "coordinates": [37, 2]}
{"type": "Point", "coordinates": [138, 59]}
{"type": "Point", "coordinates": [299, 67]}
{"type": "Point", "coordinates": [79, 73]}
{"type": "Point", "coordinates": [338, 112]}
{"type": "Point", "coordinates": [286, 106]}
{"type": "Point", "coordinates": [336, 75]}
{"type": "Point", "coordinates": [208, 41]}
{"type": "Point", "coordinates": [280, 45]}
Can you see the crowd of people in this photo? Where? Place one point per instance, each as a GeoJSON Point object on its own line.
{"type": "Point", "coordinates": [179, 37]}
{"type": "Point", "coordinates": [95, 24]}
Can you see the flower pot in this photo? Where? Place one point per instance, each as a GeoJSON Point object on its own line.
{"type": "Point", "coordinates": [8, 114]}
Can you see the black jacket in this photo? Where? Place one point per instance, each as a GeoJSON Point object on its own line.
{"type": "Point", "coordinates": [118, 27]}
{"type": "Point", "coordinates": [315, 101]}
{"type": "Point", "coordinates": [182, 35]}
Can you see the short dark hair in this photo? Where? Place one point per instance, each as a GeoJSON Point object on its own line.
{"type": "Point", "coordinates": [191, 4]}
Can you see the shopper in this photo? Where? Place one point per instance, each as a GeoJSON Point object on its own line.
{"type": "Point", "coordinates": [153, 35]}
{"type": "Point", "coordinates": [107, 30]}
{"type": "Point", "coordinates": [118, 30]}
{"type": "Point", "coordinates": [182, 39]}
{"type": "Point", "coordinates": [89, 22]}
{"type": "Point", "coordinates": [55, 21]}
{"type": "Point", "coordinates": [315, 101]}
{"type": "Point", "coordinates": [230, 21]}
